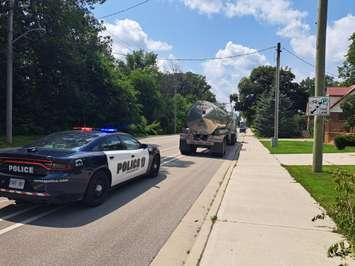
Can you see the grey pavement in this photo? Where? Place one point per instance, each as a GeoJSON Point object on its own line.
{"type": "Point", "coordinates": [265, 217]}
{"type": "Point", "coordinates": [306, 159]}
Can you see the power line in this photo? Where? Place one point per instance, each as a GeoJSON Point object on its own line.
{"type": "Point", "coordinates": [306, 62]}
{"type": "Point", "coordinates": [217, 58]}
{"type": "Point", "coordinates": [208, 58]}
{"type": "Point", "coordinates": [125, 9]}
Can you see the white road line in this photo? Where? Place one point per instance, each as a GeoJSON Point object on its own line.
{"type": "Point", "coordinates": [173, 159]}
{"type": "Point", "coordinates": [17, 213]}
{"type": "Point", "coordinates": [26, 221]}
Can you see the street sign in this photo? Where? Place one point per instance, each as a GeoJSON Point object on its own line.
{"type": "Point", "coordinates": [318, 106]}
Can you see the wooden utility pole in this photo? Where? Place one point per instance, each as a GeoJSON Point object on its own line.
{"type": "Point", "coordinates": [9, 73]}
{"type": "Point", "coordinates": [320, 83]}
{"type": "Point", "coordinates": [277, 96]}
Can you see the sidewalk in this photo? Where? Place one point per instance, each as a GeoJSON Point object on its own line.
{"type": "Point", "coordinates": [265, 217]}
{"type": "Point", "coordinates": [306, 159]}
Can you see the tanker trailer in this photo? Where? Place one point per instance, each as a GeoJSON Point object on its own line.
{"type": "Point", "coordinates": [208, 126]}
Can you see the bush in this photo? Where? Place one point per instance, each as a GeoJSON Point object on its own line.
{"type": "Point", "coordinates": [342, 141]}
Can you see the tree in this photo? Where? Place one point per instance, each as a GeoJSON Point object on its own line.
{"type": "Point", "coordinates": [261, 80]}
{"type": "Point", "coordinates": [348, 107]}
{"type": "Point", "coordinates": [264, 118]}
{"type": "Point", "coordinates": [307, 85]}
{"type": "Point", "coordinates": [347, 70]}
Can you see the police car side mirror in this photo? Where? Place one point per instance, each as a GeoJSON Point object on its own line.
{"type": "Point", "coordinates": [144, 146]}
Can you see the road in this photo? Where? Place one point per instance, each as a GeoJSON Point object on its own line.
{"type": "Point", "coordinates": [129, 229]}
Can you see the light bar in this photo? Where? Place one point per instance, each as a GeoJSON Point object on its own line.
{"type": "Point", "coordinates": [108, 130]}
{"type": "Point", "coordinates": [84, 129]}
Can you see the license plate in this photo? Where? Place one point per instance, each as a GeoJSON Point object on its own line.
{"type": "Point", "coordinates": [16, 183]}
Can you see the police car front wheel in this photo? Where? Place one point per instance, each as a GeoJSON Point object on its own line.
{"type": "Point", "coordinates": [154, 169]}
{"type": "Point", "coordinates": [97, 190]}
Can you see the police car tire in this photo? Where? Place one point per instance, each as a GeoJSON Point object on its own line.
{"type": "Point", "coordinates": [92, 198]}
{"type": "Point", "coordinates": [154, 169]}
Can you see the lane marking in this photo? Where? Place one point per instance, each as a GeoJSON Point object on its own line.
{"type": "Point", "coordinates": [17, 213]}
{"type": "Point", "coordinates": [28, 220]}
{"type": "Point", "coordinates": [173, 159]}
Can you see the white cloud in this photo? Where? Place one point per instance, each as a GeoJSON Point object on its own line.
{"type": "Point", "coordinates": [224, 75]}
{"type": "Point", "coordinates": [128, 35]}
{"type": "Point", "coordinates": [203, 6]}
{"type": "Point", "coordinates": [290, 22]}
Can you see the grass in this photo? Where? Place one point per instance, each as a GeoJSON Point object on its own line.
{"type": "Point", "coordinates": [320, 185]}
{"type": "Point", "coordinates": [297, 147]}
{"type": "Point", "coordinates": [18, 141]}
{"type": "Point", "coordinates": [322, 188]}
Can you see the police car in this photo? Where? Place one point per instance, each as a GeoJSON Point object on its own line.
{"type": "Point", "coordinates": [81, 164]}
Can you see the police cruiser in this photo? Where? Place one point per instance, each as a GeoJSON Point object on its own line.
{"type": "Point", "coordinates": [81, 164]}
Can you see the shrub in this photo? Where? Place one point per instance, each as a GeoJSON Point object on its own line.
{"type": "Point", "coordinates": [342, 141]}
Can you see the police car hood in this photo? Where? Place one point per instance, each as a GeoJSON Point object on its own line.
{"type": "Point", "coordinates": [35, 153]}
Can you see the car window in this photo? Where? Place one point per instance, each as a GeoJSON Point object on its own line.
{"type": "Point", "coordinates": [130, 142]}
{"type": "Point", "coordinates": [110, 143]}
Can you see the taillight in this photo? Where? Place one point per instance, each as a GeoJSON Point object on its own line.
{"type": "Point", "coordinates": [58, 166]}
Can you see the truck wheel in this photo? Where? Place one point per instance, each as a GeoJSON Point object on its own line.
{"type": "Point", "coordinates": [97, 189]}
{"type": "Point", "coordinates": [219, 149]}
{"type": "Point", "coordinates": [233, 139]}
{"type": "Point", "coordinates": [185, 148]}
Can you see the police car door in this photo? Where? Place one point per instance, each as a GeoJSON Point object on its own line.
{"type": "Point", "coordinates": [116, 153]}
{"type": "Point", "coordinates": [139, 157]}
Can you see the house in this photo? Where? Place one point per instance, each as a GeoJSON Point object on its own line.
{"type": "Point", "coordinates": [335, 124]}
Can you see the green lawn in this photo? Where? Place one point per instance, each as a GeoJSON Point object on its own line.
{"type": "Point", "coordinates": [294, 147]}
{"type": "Point", "coordinates": [322, 188]}
{"type": "Point", "coordinates": [18, 141]}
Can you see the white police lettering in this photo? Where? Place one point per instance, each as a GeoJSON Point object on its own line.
{"type": "Point", "coordinates": [130, 166]}
{"type": "Point", "coordinates": [21, 169]}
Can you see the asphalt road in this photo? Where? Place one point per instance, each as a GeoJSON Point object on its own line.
{"type": "Point", "coordinates": [128, 229]}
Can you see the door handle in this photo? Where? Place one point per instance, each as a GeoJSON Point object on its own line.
{"type": "Point", "coordinates": [132, 156]}
{"type": "Point", "coordinates": [112, 157]}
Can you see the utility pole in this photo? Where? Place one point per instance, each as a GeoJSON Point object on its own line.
{"type": "Point", "coordinates": [277, 96]}
{"type": "Point", "coordinates": [320, 83]}
{"type": "Point", "coordinates": [9, 74]}
{"type": "Point", "coordinates": [175, 108]}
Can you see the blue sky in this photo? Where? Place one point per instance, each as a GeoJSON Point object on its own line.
{"type": "Point", "coordinates": [209, 28]}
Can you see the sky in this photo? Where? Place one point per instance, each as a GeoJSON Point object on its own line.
{"type": "Point", "coordinates": [223, 28]}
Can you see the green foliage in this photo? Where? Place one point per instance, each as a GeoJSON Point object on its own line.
{"type": "Point", "coordinates": [343, 141]}
{"type": "Point", "coordinates": [264, 119]}
{"type": "Point", "coordinates": [261, 81]}
{"type": "Point", "coordinates": [68, 77]}
{"type": "Point", "coordinates": [142, 128]}
{"type": "Point", "coordinates": [348, 107]}
{"type": "Point", "coordinates": [347, 70]}
{"type": "Point", "coordinates": [344, 211]}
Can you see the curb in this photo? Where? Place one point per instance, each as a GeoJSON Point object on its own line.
{"type": "Point", "coordinates": [183, 243]}
{"type": "Point", "coordinates": [200, 244]}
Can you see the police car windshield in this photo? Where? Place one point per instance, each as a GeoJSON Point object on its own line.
{"type": "Point", "coordinates": [71, 140]}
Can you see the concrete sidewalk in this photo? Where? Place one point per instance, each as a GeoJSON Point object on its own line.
{"type": "Point", "coordinates": [306, 159]}
{"type": "Point", "coordinates": [265, 217]}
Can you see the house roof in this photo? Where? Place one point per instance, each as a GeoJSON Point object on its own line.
{"type": "Point", "coordinates": [339, 91]}
{"type": "Point", "coordinates": [350, 90]}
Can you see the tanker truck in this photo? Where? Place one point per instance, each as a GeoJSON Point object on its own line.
{"type": "Point", "coordinates": [208, 126]}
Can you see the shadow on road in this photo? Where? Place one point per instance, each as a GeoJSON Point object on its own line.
{"type": "Point", "coordinates": [76, 214]}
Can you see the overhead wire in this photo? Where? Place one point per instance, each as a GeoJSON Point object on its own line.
{"type": "Point", "coordinates": [125, 9]}
{"type": "Point", "coordinates": [208, 58]}
{"type": "Point", "coordinates": [306, 62]}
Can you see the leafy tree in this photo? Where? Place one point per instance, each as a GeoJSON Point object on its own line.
{"type": "Point", "coordinates": [347, 70]}
{"type": "Point", "coordinates": [261, 80]}
{"type": "Point", "coordinates": [348, 107]}
{"type": "Point", "coordinates": [264, 119]}
{"type": "Point", "coordinates": [308, 84]}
